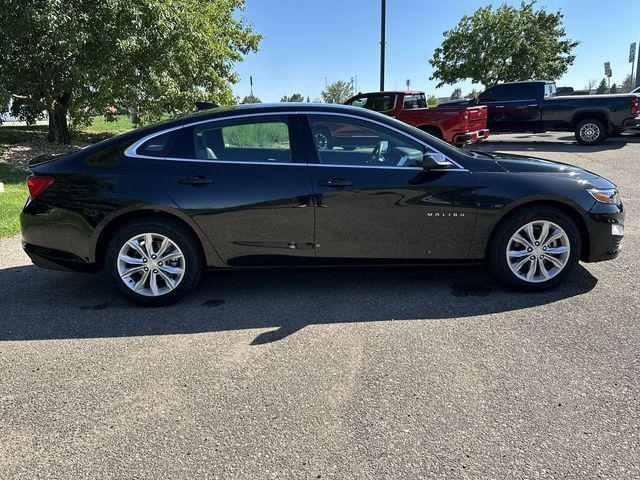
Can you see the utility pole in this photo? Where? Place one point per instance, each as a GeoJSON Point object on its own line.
{"type": "Point", "coordinates": [383, 19]}
{"type": "Point", "coordinates": [251, 84]}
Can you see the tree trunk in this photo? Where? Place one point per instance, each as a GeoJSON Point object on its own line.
{"type": "Point", "coordinates": [58, 116]}
{"type": "Point", "coordinates": [51, 135]}
{"type": "Point", "coordinates": [135, 115]}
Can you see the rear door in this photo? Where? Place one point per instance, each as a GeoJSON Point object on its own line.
{"type": "Point", "coordinates": [376, 202]}
{"type": "Point", "coordinates": [513, 107]}
{"type": "Point", "coordinates": [244, 180]}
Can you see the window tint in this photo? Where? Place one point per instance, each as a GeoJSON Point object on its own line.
{"type": "Point", "coordinates": [515, 91]}
{"type": "Point", "coordinates": [377, 103]}
{"type": "Point", "coordinates": [258, 139]}
{"type": "Point", "coordinates": [347, 141]}
{"type": "Point", "coordinates": [415, 101]}
{"type": "Point", "coordinates": [157, 146]}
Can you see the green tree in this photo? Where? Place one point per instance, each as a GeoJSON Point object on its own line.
{"type": "Point", "coordinates": [75, 58]}
{"type": "Point", "coordinates": [432, 101]}
{"type": "Point", "coordinates": [502, 45]}
{"type": "Point", "coordinates": [456, 94]}
{"type": "Point", "coordinates": [296, 97]}
{"type": "Point", "coordinates": [602, 87]}
{"type": "Point", "coordinates": [627, 84]}
{"type": "Point", "coordinates": [614, 88]}
{"type": "Point", "coordinates": [337, 92]}
{"type": "Point", "coordinates": [472, 94]}
{"type": "Point", "coordinates": [251, 98]}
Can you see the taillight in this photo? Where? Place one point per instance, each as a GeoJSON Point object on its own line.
{"type": "Point", "coordinates": [38, 184]}
{"type": "Point", "coordinates": [635, 107]}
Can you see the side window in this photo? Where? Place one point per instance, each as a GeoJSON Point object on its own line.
{"type": "Point", "coordinates": [157, 146]}
{"type": "Point", "coordinates": [377, 103]}
{"type": "Point", "coordinates": [259, 139]}
{"type": "Point", "coordinates": [352, 142]}
{"type": "Point", "coordinates": [414, 101]}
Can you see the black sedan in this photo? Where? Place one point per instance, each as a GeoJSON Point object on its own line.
{"type": "Point", "coordinates": [265, 185]}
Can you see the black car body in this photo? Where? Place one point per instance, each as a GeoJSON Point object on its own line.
{"type": "Point", "coordinates": [533, 106]}
{"type": "Point", "coordinates": [249, 187]}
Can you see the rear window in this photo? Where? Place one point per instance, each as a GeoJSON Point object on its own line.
{"type": "Point", "coordinates": [377, 103]}
{"type": "Point", "coordinates": [414, 101]}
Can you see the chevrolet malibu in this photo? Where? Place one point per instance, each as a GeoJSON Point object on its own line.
{"type": "Point", "coordinates": [255, 186]}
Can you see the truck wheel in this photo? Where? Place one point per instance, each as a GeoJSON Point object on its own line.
{"type": "Point", "coordinates": [534, 249]}
{"type": "Point", "coordinates": [590, 131]}
{"type": "Point", "coordinates": [323, 138]}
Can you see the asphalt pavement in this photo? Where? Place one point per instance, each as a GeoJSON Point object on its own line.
{"type": "Point", "coordinates": [370, 374]}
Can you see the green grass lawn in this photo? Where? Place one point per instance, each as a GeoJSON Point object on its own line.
{"type": "Point", "coordinates": [100, 125]}
{"type": "Point", "coordinates": [13, 198]}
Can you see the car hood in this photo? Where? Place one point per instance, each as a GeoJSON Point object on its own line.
{"type": "Point", "coordinates": [532, 165]}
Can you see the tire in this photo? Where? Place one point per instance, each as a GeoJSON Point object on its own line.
{"type": "Point", "coordinates": [323, 139]}
{"type": "Point", "coordinates": [590, 131]}
{"type": "Point", "coordinates": [182, 249]}
{"type": "Point", "coordinates": [502, 239]}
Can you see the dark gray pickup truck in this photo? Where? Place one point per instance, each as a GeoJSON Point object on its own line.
{"type": "Point", "coordinates": [533, 106]}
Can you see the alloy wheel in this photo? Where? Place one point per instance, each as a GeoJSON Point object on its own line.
{"type": "Point", "coordinates": [538, 251]}
{"type": "Point", "coordinates": [321, 141]}
{"type": "Point", "coordinates": [151, 264]}
{"type": "Point", "coordinates": [589, 132]}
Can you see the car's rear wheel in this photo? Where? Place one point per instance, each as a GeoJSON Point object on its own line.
{"type": "Point", "coordinates": [590, 131]}
{"type": "Point", "coordinates": [534, 250]}
{"type": "Point", "coordinates": [154, 261]}
{"type": "Point", "coordinates": [323, 138]}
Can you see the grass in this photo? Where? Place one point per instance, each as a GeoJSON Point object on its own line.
{"type": "Point", "coordinates": [15, 190]}
{"type": "Point", "coordinates": [101, 125]}
{"type": "Point", "coordinates": [13, 198]}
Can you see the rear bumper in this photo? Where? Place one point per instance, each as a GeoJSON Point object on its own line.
{"type": "Point", "coordinates": [57, 260]}
{"type": "Point", "coordinates": [603, 244]}
{"type": "Point", "coordinates": [471, 137]}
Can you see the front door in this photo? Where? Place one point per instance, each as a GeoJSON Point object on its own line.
{"type": "Point", "coordinates": [245, 182]}
{"type": "Point", "coordinates": [377, 202]}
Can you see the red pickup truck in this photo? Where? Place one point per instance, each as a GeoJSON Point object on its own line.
{"type": "Point", "coordinates": [457, 125]}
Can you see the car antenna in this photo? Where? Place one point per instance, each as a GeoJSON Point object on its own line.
{"type": "Point", "coordinates": [206, 105]}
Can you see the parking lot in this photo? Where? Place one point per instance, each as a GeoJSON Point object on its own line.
{"type": "Point", "coordinates": [360, 373]}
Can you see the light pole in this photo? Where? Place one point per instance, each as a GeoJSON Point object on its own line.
{"type": "Point", "coordinates": [383, 14]}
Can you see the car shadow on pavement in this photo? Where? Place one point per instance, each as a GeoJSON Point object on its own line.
{"type": "Point", "coordinates": [539, 142]}
{"type": "Point", "coordinates": [41, 304]}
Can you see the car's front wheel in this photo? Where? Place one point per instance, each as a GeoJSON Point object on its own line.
{"type": "Point", "coordinates": [534, 250]}
{"type": "Point", "coordinates": [154, 261]}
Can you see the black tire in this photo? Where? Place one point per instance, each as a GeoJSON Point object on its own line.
{"type": "Point", "coordinates": [182, 237]}
{"type": "Point", "coordinates": [323, 138]}
{"type": "Point", "coordinates": [590, 131]}
{"type": "Point", "coordinates": [497, 251]}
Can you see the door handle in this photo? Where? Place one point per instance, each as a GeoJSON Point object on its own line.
{"type": "Point", "coordinates": [335, 183]}
{"type": "Point", "coordinates": [196, 181]}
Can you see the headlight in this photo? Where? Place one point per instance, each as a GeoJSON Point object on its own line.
{"type": "Point", "coordinates": [606, 195]}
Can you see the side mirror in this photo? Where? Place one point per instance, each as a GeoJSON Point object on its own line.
{"type": "Point", "coordinates": [434, 161]}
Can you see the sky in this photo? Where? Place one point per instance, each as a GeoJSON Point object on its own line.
{"type": "Point", "coordinates": [306, 41]}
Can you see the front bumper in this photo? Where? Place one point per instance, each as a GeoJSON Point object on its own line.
{"type": "Point", "coordinates": [603, 243]}
{"type": "Point", "coordinates": [471, 137]}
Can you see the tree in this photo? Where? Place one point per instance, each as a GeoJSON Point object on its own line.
{"type": "Point", "coordinates": [627, 84]}
{"type": "Point", "coordinates": [602, 88]}
{"type": "Point", "coordinates": [432, 101]}
{"type": "Point", "coordinates": [296, 97]}
{"type": "Point", "coordinates": [456, 94]}
{"type": "Point", "coordinates": [337, 92]}
{"type": "Point", "coordinates": [472, 94]}
{"type": "Point", "coordinates": [503, 45]}
{"type": "Point", "coordinates": [76, 58]}
{"type": "Point", "coordinates": [614, 88]}
{"type": "Point", "coordinates": [591, 83]}
{"type": "Point", "coordinates": [251, 98]}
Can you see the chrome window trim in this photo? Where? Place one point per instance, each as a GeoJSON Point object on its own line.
{"type": "Point", "coordinates": [131, 151]}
